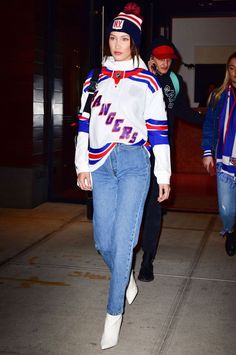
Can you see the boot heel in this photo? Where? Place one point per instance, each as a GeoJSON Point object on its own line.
{"type": "Point", "coordinates": [132, 289]}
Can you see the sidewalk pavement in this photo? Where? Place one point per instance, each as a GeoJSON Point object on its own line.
{"type": "Point", "coordinates": [53, 288]}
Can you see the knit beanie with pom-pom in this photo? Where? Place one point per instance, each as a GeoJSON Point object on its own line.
{"type": "Point", "coordinates": [128, 21]}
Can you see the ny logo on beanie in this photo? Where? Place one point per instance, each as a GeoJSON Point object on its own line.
{"type": "Point", "coordinates": [118, 24]}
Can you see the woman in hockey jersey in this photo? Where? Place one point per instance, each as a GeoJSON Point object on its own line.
{"type": "Point", "coordinates": [219, 145]}
{"type": "Point", "coordinates": [127, 117]}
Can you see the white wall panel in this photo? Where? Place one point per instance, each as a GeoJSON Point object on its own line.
{"type": "Point", "coordinates": [203, 41]}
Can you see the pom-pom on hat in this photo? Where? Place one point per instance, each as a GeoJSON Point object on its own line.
{"type": "Point", "coordinates": [162, 48]}
{"type": "Point", "coordinates": [128, 21]}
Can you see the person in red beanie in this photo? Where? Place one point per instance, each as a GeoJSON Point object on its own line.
{"type": "Point", "coordinates": [112, 157]}
{"type": "Point", "coordinates": [162, 55]}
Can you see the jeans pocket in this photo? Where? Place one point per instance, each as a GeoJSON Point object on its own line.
{"type": "Point", "coordinates": [146, 158]}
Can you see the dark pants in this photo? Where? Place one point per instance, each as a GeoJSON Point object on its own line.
{"type": "Point", "coordinates": [152, 218]}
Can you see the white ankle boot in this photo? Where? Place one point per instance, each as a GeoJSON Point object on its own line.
{"type": "Point", "coordinates": [111, 331]}
{"type": "Point", "coordinates": [132, 289]}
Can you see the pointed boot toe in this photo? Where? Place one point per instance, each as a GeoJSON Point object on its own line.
{"type": "Point", "coordinates": [111, 331]}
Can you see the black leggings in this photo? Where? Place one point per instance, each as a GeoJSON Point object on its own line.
{"type": "Point", "coordinates": [152, 218]}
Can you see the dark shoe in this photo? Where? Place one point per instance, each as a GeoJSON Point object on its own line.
{"type": "Point", "coordinates": [230, 244]}
{"type": "Point", "coordinates": [146, 270]}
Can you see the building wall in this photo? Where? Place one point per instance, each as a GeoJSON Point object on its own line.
{"type": "Point", "coordinates": [38, 37]}
{"type": "Point", "coordinates": [23, 176]}
{"type": "Point", "coordinates": [204, 40]}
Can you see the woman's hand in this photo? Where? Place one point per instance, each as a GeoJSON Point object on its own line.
{"type": "Point", "coordinates": [84, 181]}
{"type": "Point", "coordinates": [209, 165]}
{"type": "Point", "coordinates": [164, 192]}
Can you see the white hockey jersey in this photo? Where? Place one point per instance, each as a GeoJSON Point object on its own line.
{"type": "Point", "coordinates": [127, 107]}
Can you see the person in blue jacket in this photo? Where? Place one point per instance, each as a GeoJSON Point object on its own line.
{"type": "Point", "coordinates": [219, 150]}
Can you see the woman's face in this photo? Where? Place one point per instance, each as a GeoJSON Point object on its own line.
{"type": "Point", "coordinates": [232, 71]}
{"type": "Point", "coordinates": [119, 43]}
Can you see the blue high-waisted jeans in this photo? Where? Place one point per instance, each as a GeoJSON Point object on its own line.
{"type": "Point", "coordinates": [226, 188]}
{"type": "Point", "coordinates": [120, 188]}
